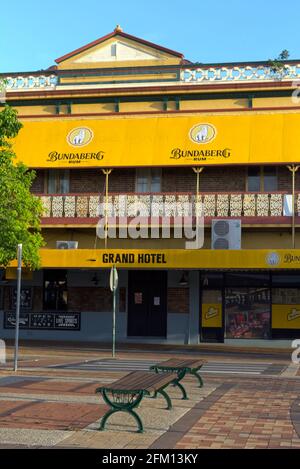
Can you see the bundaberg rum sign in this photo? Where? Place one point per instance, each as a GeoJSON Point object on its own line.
{"type": "Point", "coordinates": [248, 138]}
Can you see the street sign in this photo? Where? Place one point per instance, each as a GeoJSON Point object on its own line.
{"type": "Point", "coordinates": [113, 279]}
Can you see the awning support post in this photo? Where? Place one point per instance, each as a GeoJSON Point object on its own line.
{"type": "Point", "coordinates": [293, 170]}
{"type": "Point", "coordinates": [106, 172]}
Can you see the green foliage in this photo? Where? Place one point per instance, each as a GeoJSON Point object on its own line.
{"type": "Point", "coordinates": [278, 68]}
{"type": "Point", "coordinates": [20, 211]}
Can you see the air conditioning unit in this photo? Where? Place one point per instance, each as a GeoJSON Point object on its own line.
{"type": "Point", "coordinates": [226, 234]}
{"type": "Point", "coordinates": [66, 244]}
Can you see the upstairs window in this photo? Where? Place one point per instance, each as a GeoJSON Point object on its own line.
{"type": "Point", "coordinates": [262, 179]}
{"type": "Point", "coordinates": [148, 180]}
{"type": "Point", "coordinates": [58, 181]}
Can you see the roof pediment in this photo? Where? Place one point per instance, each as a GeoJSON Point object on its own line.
{"type": "Point", "coordinates": [118, 49]}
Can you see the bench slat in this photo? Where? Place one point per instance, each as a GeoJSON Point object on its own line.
{"type": "Point", "coordinates": [181, 363]}
{"type": "Point", "coordinates": [141, 381]}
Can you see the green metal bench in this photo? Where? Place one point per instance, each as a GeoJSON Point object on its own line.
{"type": "Point", "coordinates": [125, 394]}
{"type": "Point", "coordinates": [181, 368]}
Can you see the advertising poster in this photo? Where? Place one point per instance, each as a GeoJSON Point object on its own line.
{"type": "Point", "coordinates": [247, 313]}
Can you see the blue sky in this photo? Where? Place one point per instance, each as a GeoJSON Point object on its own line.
{"type": "Point", "coordinates": [34, 33]}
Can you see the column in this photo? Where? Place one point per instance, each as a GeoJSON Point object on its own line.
{"type": "Point", "coordinates": [194, 310]}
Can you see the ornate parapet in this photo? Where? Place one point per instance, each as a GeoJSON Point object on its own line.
{"type": "Point", "coordinates": [30, 82]}
{"type": "Point", "coordinates": [240, 73]}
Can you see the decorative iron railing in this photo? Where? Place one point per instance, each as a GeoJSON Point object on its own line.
{"type": "Point", "coordinates": [171, 205]}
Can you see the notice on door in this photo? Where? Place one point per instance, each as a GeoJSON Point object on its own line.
{"type": "Point", "coordinates": [156, 301]}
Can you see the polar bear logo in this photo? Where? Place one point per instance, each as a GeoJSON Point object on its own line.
{"type": "Point", "coordinates": [78, 138]}
{"type": "Point", "coordinates": [202, 133]}
{"type": "Point", "coordinates": [201, 136]}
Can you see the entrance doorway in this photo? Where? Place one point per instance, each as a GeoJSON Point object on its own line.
{"type": "Point", "coordinates": [147, 303]}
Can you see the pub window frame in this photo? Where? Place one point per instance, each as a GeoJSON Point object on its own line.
{"type": "Point", "coordinates": [262, 178]}
{"type": "Point", "coordinates": [59, 175]}
{"type": "Point", "coordinates": [149, 176]}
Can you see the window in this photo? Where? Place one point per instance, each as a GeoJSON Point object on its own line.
{"type": "Point", "coordinates": [262, 179]}
{"type": "Point", "coordinates": [58, 181]}
{"type": "Point", "coordinates": [254, 179]}
{"type": "Point", "coordinates": [270, 179]}
{"type": "Point", "coordinates": [247, 279]}
{"type": "Point", "coordinates": [286, 296]}
{"type": "Point", "coordinates": [285, 279]}
{"type": "Point", "coordinates": [148, 180]}
{"type": "Point", "coordinates": [247, 313]}
{"type": "Point", "coordinates": [55, 290]}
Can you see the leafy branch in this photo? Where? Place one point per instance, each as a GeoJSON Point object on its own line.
{"type": "Point", "coordinates": [277, 66]}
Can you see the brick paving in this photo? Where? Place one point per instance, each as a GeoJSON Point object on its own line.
{"type": "Point", "coordinates": [247, 418]}
{"type": "Point", "coordinates": [42, 406]}
{"type": "Point", "coordinates": [48, 415]}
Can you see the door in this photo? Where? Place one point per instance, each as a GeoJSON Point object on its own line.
{"type": "Point", "coordinates": [147, 303]}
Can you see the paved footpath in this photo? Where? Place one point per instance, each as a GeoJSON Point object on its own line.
{"type": "Point", "coordinates": [247, 401]}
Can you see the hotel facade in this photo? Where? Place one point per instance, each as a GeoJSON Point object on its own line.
{"type": "Point", "coordinates": [122, 130]}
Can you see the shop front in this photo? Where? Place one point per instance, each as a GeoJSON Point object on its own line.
{"type": "Point", "coordinates": [194, 295]}
{"type": "Point", "coordinates": [250, 305]}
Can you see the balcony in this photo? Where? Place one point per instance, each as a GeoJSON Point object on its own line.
{"type": "Point", "coordinates": [251, 207]}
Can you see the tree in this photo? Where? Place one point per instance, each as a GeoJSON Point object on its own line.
{"type": "Point", "coordinates": [20, 211]}
{"type": "Point", "coordinates": [277, 66]}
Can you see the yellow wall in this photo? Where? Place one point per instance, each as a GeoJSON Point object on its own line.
{"type": "Point", "coordinates": [273, 102]}
{"type": "Point", "coordinates": [213, 104]}
{"type": "Point", "coordinates": [92, 108]}
{"type": "Point", "coordinates": [141, 106]}
{"type": "Point", "coordinates": [261, 239]}
{"type": "Point", "coordinates": [35, 110]}
{"type": "Point", "coordinates": [110, 79]}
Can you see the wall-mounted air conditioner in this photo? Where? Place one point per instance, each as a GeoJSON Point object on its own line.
{"type": "Point", "coordinates": [226, 234]}
{"type": "Point", "coordinates": [66, 244]}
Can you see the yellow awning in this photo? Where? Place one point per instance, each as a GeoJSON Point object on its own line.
{"type": "Point", "coordinates": [250, 138]}
{"type": "Point", "coordinates": [171, 259]}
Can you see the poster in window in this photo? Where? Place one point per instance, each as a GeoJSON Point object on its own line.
{"type": "Point", "coordinates": [43, 320]}
{"type": "Point", "coordinates": [10, 320]}
{"type": "Point", "coordinates": [247, 313]}
{"type": "Point", "coordinates": [26, 298]}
